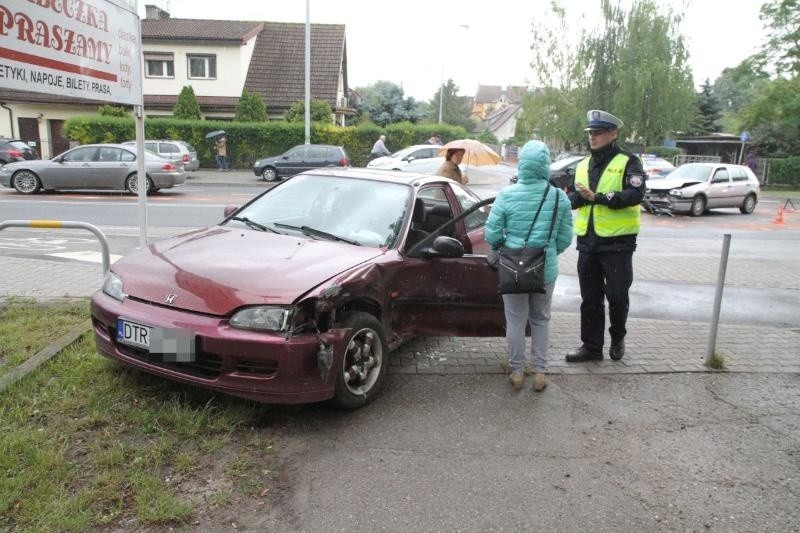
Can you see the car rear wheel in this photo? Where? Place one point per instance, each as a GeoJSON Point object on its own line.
{"type": "Point", "coordinates": [364, 362]}
{"type": "Point", "coordinates": [26, 182]}
{"type": "Point", "coordinates": [132, 184]}
{"type": "Point", "coordinates": [269, 174]}
{"type": "Point", "coordinates": [749, 204]}
{"type": "Point", "coordinates": [698, 206]}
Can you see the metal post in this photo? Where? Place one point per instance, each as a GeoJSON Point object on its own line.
{"type": "Point", "coordinates": [308, 71]}
{"type": "Point", "coordinates": [723, 267]}
{"type": "Point", "coordinates": [141, 174]}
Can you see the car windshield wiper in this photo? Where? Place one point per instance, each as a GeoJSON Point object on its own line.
{"type": "Point", "coordinates": [254, 225]}
{"type": "Point", "coordinates": [313, 232]}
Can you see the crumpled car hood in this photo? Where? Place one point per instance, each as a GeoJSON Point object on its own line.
{"type": "Point", "coordinates": [665, 184]}
{"type": "Point", "coordinates": [219, 269]}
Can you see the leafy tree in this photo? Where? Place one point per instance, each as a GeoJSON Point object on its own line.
{"type": "Point", "coordinates": [782, 18]}
{"type": "Point", "coordinates": [456, 109]}
{"type": "Point", "coordinates": [384, 103]}
{"type": "Point", "coordinates": [708, 111]}
{"type": "Point", "coordinates": [112, 111]}
{"type": "Point", "coordinates": [320, 112]}
{"type": "Point", "coordinates": [187, 107]}
{"type": "Point", "coordinates": [773, 119]}
{"type": "Point", "coordinates": [250, 108]}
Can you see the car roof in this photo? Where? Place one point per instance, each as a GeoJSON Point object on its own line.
{"type": "Point", "coordinates": [392, 176]}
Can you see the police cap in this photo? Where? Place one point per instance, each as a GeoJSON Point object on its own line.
{"type": "Point", "coordinates": [602, 120]}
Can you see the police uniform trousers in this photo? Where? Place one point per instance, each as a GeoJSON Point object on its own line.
{"type": "Point", "coordinates": [604, 276]}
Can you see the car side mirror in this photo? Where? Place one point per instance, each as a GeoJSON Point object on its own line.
{"type": "Point", "coordinates": [230, 209]}
{"type": "Point", "coordinates": [444, 246]}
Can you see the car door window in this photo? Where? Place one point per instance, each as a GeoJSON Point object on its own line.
{"type": "Point", "coordinates": [81, 155]}
{"type": "Point", "coordinates": [317, 153]}
{"type": "Point", "coordinates": [127, 156]}
{"type": "Point", "coordinates": [738, 174]}
{"type": "Point", "coordinates": [109, 154]}
{"type": "Point", "coordinates": [476, 219]}
{"type": "Point", "coordinates": [153, 147]}
{"type": "Point", "coordinates": [168, 148]}
{"type": "Point", "coordinates": [437, 209]}
{"type": "Point", "coordinates": [720, 176]}
{"type": "Point", "coordinates": [296, 154]}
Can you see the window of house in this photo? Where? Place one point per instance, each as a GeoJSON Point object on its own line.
{"type": "Point", "coordinates": [159, 65]}
{"type": "Point", "coordinates": [202, 67]}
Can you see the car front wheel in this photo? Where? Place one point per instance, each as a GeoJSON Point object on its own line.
{"type": "Point", "coordinates": [698, 206]}
{"type": "Point", "coordinates": [269, 174]}
{"type": "Point", "coordinates": [364, 364]}
{"type": "Point", "coordinates": [132, 184]}
{"type": "Point", "coordinates": [749, 204]}
{"type": "Point", "coordinates": [26, 182]}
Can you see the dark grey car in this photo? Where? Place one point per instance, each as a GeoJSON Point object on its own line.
{"type": "Point", "coordinates": [16, 150]}
{"type": "Point", "coordinates": [300, 158]}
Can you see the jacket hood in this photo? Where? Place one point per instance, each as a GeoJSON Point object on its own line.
{"type": "Point", "coordinates": [534, 162]}
{"type": "Point", "coordinates": [219, 269]}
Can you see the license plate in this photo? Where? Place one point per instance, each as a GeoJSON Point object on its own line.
{"type": "Point", "coordinates": [133, 334]}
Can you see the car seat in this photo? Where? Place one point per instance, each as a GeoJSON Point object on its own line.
{"type": "Point", "coordinates": [416, 232]}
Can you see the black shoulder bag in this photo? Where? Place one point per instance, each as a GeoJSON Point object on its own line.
{"type": "Point", "coordinates": [521, 270]}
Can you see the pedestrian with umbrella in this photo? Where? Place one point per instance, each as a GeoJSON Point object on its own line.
{"type": "Point", "coordinates": [467, 151]}
{"type": "Point", "coordinates": [221, 147]}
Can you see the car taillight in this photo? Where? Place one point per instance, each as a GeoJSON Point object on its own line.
{"type": "Point", "coordinates": [169, 167]}
{"type": "Point", "coordinates": [343, 162]}
{"type": "Point", "coordinates": [185, 158]}
{"type": "Point", "coordinates": [15, 153]}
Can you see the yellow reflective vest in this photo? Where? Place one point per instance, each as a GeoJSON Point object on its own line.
{"type": "Point", "coordinates": [607, 222]}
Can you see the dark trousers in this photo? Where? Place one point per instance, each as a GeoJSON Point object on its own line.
{"type": "Point", "coordinates": [604, 276]}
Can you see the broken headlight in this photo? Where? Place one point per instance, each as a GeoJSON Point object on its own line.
{"type": "Point", "coordinates": [263, 317]}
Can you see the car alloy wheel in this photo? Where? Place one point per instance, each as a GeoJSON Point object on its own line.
{"type": "Point", "coordinates": [269, 174]}
{"type": "Point", "coordinates": [364, 365]}
{"type": "Point", "coordinates": [132, 184]}
{"type": "Point", "coordinates": [26, 182]}
{"type": "Point", "coordinates": [749, 204]}
{"type": "Point", "coordinates": [698, 206]}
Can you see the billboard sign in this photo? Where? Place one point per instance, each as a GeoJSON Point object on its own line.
{"type": "Point", "coordinates": [80, 48]}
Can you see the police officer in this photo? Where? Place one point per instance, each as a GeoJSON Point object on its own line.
{"type": "Point", "coordinates": [609, 186]}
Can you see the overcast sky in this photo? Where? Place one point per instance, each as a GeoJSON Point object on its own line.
{"type": "Point", "coordinates": [416, 43]}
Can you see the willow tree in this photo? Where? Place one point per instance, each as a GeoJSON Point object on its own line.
{"type": "Point", "coordinates": [634, 65]}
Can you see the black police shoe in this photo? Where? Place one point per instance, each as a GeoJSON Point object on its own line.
{"type": "Point", "coordinates": [582, 355]}
{"type": "Point", "coordinates": [617, 350]}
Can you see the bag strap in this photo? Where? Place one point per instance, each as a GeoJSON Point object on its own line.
{"type": "Point", "coordinates": [544, 196]}
{"type": "Point", "coordinates": [553, 220]}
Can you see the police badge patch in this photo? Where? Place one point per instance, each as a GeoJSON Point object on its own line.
{"type": "Point", "coordinates": [635, 180]}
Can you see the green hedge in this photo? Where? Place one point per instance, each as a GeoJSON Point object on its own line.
{"type": "Point", "coordinates": [663, 151]}
{"type": "Point", "coordinates": [785, 171]}
{"type": "Point", "coordinates": [248, 142]}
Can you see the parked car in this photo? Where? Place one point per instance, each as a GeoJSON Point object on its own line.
{"type": "Point", "coordinates": [175, 151]}
{"type": "Point", "coordinates": [695, 188]}
{"type": "Point", "coordinates": [16, 150]}
{"type": "Point", "coordinates": [92, 166]}
{"type": "Point", "coordinates": [403, 157]}
{"type": "Point", "coordinates": [655, 167]}
{"type": "Point", "coordinates": [300, 158]}
{"type": "Point", "coordinates": [324, 275]}
{"type": "Point", "coordinates": [562, 171]}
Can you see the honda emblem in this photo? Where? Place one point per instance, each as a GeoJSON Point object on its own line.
{"type": "Point", "coordinates": [170, 299]}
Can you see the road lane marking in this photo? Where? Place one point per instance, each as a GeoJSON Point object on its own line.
{"type": "Point", "coordinates": [86, 256]}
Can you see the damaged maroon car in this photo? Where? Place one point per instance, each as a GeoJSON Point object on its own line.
{"type": "Point", "coordinates": [302, 294]}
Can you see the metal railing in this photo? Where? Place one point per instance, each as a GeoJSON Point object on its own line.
{"type": "Point", "coordinates": [57, 224]}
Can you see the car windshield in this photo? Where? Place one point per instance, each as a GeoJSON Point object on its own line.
{"type": "Point", "coordinates": [565, 162]}
{"type": "Point", "coordinates": [691, 172]}
{"type": "Point", "coordinates": [366, 212]}
{"type": "Point", "coordinates": [400, 154]}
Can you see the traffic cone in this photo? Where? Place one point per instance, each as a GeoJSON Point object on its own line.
{"type": "Point", "coordinates": [778, 216]}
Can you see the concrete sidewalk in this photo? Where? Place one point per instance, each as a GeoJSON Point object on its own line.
{"type": "Point", "coordinates": [653, 345]}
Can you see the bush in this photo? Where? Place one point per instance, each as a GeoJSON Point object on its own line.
{"type": "Point", "coordinates": [250, 141]}
{"type": "Point", "coordinates": [784, 171]}
{"type": "Point", "coordinates": [664, 152]}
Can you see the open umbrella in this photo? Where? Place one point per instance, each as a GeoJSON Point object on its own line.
{"type": "Point", "coordinates": [475, 152]}
{"type": "Point", "coordinates": [215, 133]}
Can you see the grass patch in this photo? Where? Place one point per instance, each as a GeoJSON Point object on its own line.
{"type": "Point", "coordinates": [19, 341]}
{"type": "Point", "coordinates": [85, 443]}
{"type": "Point", "coordinates": [716, 361]}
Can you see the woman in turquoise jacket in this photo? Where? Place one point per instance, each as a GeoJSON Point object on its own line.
{"type": "Point", "coordinates": [510, 218]}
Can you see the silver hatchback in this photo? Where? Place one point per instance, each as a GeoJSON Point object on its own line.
{"type": "Point", "coordinates": [92, 166]}
{"type": "Point", "coordinates": [695, 188]}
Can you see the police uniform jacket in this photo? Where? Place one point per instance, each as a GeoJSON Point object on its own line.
{"type": "Point", "coordinates": [631, 194]}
